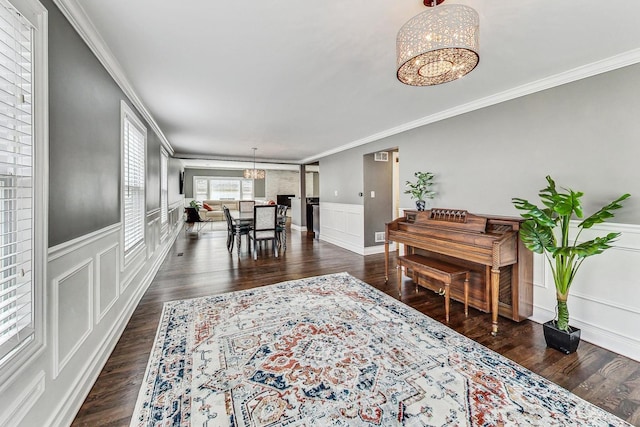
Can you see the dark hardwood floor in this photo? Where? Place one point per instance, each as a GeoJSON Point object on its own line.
{"type": "Point", "coordinates": [200, 267]}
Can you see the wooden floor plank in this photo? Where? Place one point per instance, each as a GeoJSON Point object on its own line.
{"type": "Point", "coordinates": [201, 267]}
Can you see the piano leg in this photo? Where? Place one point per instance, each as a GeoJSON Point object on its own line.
{"type": "Point", "coordinates": [495, 292]}
{"type": "Point", "coordinates": [446, 301]}
{"type": "Point", "coordinates": [466, 295]}
{"type": "Point", "coordinates": [386, 261]}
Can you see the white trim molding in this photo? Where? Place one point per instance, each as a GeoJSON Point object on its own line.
{"type": "Point", "coordinates": [80, 275]}
{"type": "Point", "coordinates": [378, 249]}
{"type": "Point", "coordinates": [73, 11]}
{"type": "Point", "coordinates": [27, 398]}
{"type": "Point", "coordinates": [101, 270]}
{"type": "Point", "coordinates": [615, 62]}
{"type": "Point", "coordinates": [298, 227]}
{"type": "Point", "coordinates": [70, 246]}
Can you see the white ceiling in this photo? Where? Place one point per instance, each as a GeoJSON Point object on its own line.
{"type": "Point", "coordinates": [301, 79]}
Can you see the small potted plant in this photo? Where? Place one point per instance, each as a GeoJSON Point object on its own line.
{"type": "Point", "coordinates": [192, 212]}
{"type": "Point", "coordinates": [421, 189]}
{"type": "Point", "coordinates": [546, 231]}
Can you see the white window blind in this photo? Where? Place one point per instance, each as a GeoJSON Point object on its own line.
{"type": "Point", "coordinates": [201, 188]}
{"type": "Point", "coordinates": [16, 182]}
{"type": "Point", "coordinates": [164, 186]}
{"type": "Point", "coordinates": [134, 138]}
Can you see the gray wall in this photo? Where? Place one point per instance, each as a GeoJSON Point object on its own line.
{"type": "Point", "coordinates": [84, 139]}
{"type": "Point", "coordinates": [584, 134]}
{"type": "Point", "coordinates": [153, 171]}
{"type": "Point", "coordinates": [259, 190]}
{"type": "Point", "coordinates": [342, 173]}
{"type": "Point", "coordinates": [378, 177]}
{"type": "Point", "coordinates": [84, 136]}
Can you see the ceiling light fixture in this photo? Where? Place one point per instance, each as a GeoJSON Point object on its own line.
{"type": "Point", "coordinates": [438, 45]}
{"type": "Point", "coordinates": [254, 173]}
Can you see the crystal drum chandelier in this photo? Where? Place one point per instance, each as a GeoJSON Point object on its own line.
{"type": "Point", "coordinates": [254, 173]}
{"type": "Point", "coordinates": [438, 45]}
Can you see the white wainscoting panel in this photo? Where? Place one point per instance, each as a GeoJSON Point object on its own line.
{"type": "Point", "coordinates": [92, 297]}
{"type": "Point", "coordinates": [133, 264]}
{"type": "Point", "coordinates": [15, 411]}
{"type": "Point", "coordinates": [154, 233]}
{"type": "Point", "coordinates": [604, 300]}
{"type": "Point", "coordinates": [107, 279]}
{"type": "Point", "coordinates": [73, 311]}
{"type": "Point", "coordinates": [343, 225]}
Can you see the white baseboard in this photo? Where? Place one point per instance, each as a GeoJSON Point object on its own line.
{"type": "Point", "coordinates": [343, 244]}
{"type": "Point", "coordinates": [298, 227]}
{"type": "Point", "coordinates": [378, 249]}
{"type": "Point", "coordinates": [619, 343]}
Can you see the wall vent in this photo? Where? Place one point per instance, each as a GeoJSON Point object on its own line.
{"type": "Point", "coordinates": [381, 156]}
{"type": "Point", "coordinates": [379, 236]}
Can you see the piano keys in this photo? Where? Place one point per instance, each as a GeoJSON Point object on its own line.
{"type": "Point", "coordinates": [501, 268]}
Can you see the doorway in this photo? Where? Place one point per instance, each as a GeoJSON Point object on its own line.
{"type": "Point", "coordinates": [381, 194]}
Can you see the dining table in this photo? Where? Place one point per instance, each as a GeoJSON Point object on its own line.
{"type": "Point", "coordinates": [243, 220]}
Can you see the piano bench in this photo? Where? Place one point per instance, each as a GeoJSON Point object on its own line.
{"type": "Point", "coordinates": [436, 270]}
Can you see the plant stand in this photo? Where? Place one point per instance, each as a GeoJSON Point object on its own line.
{"type": "Point", "coordinates": [566, 342]}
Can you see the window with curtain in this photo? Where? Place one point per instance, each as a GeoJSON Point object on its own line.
{"type": "Point", "coordinates": [134, 141]}
{"type": "Point", "coordinates": [17, 186]}
{"type": "Point", "coordinates": [164, 187]}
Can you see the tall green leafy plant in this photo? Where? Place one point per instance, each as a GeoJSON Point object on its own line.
{"type": "Point", "coordinates": [546, 231]}
{"type": "Point", "coordinates": [421, 188]}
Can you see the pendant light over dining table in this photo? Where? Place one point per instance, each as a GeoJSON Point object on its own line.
{"type": "Point", "coordinates": [438, 45]}
{"type": "Point", "coordinates": [254, 173]}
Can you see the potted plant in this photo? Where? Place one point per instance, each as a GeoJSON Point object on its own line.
{"type": "Point", "coordinates": [192, 212]}
{"type": "Point", "coordinates": [421, 189]}
{"type": "Point", "coordinates": [546, 231]}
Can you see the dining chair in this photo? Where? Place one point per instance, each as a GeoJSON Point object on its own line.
{"type": "Point", "coordinates": [281, 226]}
{"type": "Point", "coordinates": [246, 205]}
{"type": "Point", "coordinates": [264, 227]}
{"type": "Point", "coordinates": [230, 228]}
{"type": "Point", "coordinates": [235, 231]}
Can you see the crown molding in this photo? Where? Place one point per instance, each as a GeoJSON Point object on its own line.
{"type": "Point", "coordinates": [79, 20]}
{"type": "Point", "coordinates": [85, 28]}
{"type": "Point", "coordinates": [186, 157]}
{"type": "Point", "coordinates": [613, 63]}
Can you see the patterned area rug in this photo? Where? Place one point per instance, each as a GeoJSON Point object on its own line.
{"type": "Point", "coordinates": [334, 351]}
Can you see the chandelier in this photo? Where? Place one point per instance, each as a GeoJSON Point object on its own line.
{"type": "Point", "coordinates": [254, 173]}
{"type": "Point", "coordinates": [438, 45]}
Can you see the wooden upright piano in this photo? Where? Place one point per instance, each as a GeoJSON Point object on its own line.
{"type": "Point", "coordinates": [489, 247]}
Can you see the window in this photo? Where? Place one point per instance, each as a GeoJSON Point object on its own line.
{"type": "Point", "coordinates": [22, 186]}
{"type": "Point", "coordinates": [164, 187]}
{"type": "Point", "coordinates": [222, 188]}
{"type": "Point", "coordinates": [134, 141]}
